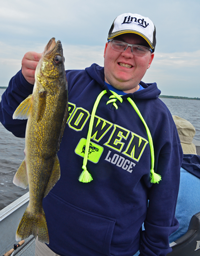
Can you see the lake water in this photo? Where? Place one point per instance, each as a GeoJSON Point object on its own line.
{"type": "Point", "coordinates": [187, 109]}
{"type": "Point", "coordinates": [12, 148]}
{"type": "Point", "coordinates": [11, 156]}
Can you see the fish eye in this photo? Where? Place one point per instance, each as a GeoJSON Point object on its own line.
{"type": "Point", "coordinates": [58, 59]}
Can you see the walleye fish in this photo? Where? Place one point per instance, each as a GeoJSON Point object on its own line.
{"type": "Point", "coordinates": [46, 110]}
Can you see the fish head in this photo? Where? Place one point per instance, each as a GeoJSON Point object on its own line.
{"type": "Point", "coordinates": [51, 64]}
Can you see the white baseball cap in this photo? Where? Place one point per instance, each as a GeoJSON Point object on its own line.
{"type": "Point", "coordinates": [136, 24]}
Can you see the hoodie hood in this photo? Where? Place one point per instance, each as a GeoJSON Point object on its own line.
{"type": "Point", "coordinates": [151, 90]}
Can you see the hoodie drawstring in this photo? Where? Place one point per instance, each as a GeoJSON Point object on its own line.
{"type": "Point", "coordinates": [155, 178]}
{"type": "Point", "coordinates": [113, 98]}
{"type": "Point", "coordinates": [85, 176]}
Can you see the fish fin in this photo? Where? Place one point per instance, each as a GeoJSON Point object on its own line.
{"type": "Point", "coordinates": [42, 104]}
{"type": "Point", "coordinates": [24, 109]}
{"type": "Point", "coordinates": [55, 176]}
{"type": "Point", "coordinates": [21, 179]}
{"type": "Point", "coordinates": [33, 224]}
{"type": "Point", "coordinates": [63, 126]}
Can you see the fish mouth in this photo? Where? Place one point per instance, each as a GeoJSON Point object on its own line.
{"type": "Point", "coordinates": [53, 45]}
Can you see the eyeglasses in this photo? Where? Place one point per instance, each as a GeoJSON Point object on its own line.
{"type": "Point", "coordinates": [136, 49]}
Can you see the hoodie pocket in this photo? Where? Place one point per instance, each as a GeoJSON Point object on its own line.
{"type": "Point", "coordinates": [84, 229]}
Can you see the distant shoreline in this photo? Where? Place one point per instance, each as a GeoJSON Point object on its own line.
{"type": "Point", "coordinates": [161, 96]}
{"type": "Point", "coordinates": [179, 97]}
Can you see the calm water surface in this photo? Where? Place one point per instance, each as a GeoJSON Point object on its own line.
{"type": "Point", "coordinates": [187, 109]}
{"type": "Point", "coordinates": [12, 148]}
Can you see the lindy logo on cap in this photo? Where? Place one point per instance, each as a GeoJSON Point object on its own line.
{"type": "Point", "coordinates": [141, 22]}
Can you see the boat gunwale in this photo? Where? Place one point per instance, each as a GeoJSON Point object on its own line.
{"type": "Point", "coordinates": [12, 207]}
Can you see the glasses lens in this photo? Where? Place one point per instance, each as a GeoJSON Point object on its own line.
{"type": "Point", "coordinates": [118, 45]}
{"type": "Point", "coordinates": [137, 50]}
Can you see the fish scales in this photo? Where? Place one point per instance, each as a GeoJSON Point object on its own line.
{"type": "Point", "coordinates": [47, 112]}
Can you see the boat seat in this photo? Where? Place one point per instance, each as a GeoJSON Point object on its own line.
{"type": "Point", "coordinates": [188, 244]}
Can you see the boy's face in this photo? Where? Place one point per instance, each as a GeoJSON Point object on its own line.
{"type": "Point", "coordinates": [124, 70]}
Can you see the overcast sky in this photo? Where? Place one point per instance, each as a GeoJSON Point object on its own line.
{"type": "Point", "coordinates": [82, 27]}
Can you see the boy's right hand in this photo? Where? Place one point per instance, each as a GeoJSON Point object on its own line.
{"type": "Point", "coordinates": [29, 64]}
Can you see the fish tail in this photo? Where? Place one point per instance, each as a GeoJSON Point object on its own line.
{"type": "Point", "coordinates": [33, 224]}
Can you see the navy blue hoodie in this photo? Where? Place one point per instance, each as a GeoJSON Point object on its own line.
{"type": "Point", "coordinates": [104, 217]}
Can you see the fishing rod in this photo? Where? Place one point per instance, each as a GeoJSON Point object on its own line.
{"type": "Point", "coordinates": [10, 252]}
